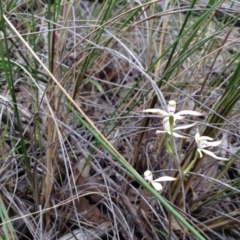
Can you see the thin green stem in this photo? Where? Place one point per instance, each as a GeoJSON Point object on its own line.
{"type": "Point", "coordinates": [191, 165]}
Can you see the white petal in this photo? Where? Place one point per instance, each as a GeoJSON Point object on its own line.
{"type": "Point", "coordinates": [205, 138]}
{"type": "Point", "coordinates": [178, 135]}
{"type": "Point", "coordinates": [204, 144]}
{"type": "Point", "coordinates": [200, 153]}
{"type": "Point", "coordinates": [165, 178]}
{"type": "Point", "coordinates": [166, 124]}
{"type": "Point", "coordinates": [166, 120]}
{"type": "Point", "coordinates": [155, 110]}
{"type": "Point", "coordinates": [174, 134]}
{"type": "Point", "coordinates": [197, 135]}
{"type": "Point", "coordinates": [202, 140]}
{"type": "Point", "coordinates": [178, 117]}
{"type": "Point", "coordinates": [215, 143]}
{"type": "Point", "coordinates": [213, 155]}
{"type": "Point", "coordinates": [148, 176]}
{"type": "Point", "coordinates": [157, 186]}
{"type": "Point", "coordinates": [189, 112]}
{"type": "Point", "coordinates": [185, 126]}
{"type": "Point", "coordinates": [159, 131]}
{"type": "Point", "coordinates": [147, 173]}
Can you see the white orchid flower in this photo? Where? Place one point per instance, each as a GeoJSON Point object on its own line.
{"type": "Point", "coordinates": [203, 142]}
{"type": "Point", "coordinates": [171, 111]}
{"type": "Point", "coordinates": [148, 176]}
{"type": "Point", "coordinates": [166, 126]}
{"type": "Point", "coordinates": [176, 116]}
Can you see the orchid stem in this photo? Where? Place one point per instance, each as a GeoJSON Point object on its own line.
{"type": "Point", "coordinates": [190, 166]}
{"type": "Point", "coordinates": [170, 150]}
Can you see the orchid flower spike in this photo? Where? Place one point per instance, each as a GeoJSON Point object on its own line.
{"type": "Point", "coordinates": [148, 176]}
{"type": "Point", "coordinates": [176, 116]}
{"type": "Point", "coordinates": [203, 142]}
